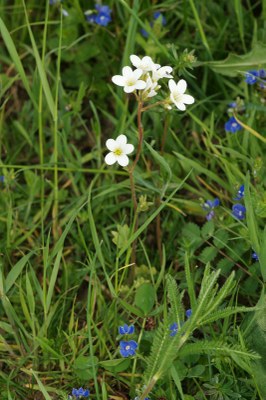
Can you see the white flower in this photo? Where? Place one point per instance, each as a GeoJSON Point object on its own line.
{"type": "Point", "coordinates": [151, 87]}
{"type": "Point", "coordinates": [130, 80]}
{"type": "Point", "coordinates": [178, 96]}
{"type": "Point", "coordinates": [118, 151]}
{"type": "Point", "coordinates": [161, 72]}
{"type": "Point", "coordinates": [145, 64]}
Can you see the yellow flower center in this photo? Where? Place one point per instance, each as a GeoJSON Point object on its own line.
{"type": "Point", "coordinates": [118, 152]}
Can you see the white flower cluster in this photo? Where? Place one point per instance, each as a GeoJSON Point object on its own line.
{"type": "Point", "coordinates": [145, 78]}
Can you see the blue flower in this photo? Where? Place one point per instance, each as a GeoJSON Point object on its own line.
{"type": "Point", "coordinates": [53, 2]}
{"type": "Point", "coordinates": [262, 73]}
{"type": "Point", "coordinates": [232, 125]}
{"type": "Point", "coordinates": [188, 313]}
{"type": "Point", "coordinates": [209, 205]}
{"type": "Point", "coordinates": [233, 104]}
{"type": "Point", "coordinates": [80, 393]}
{"type": "Point", "coordinates": [2, 178]}
{"type": "Point", "coordinates": [157, 15]}
{"type": "Point", "coordinates": [240, 193]}
{"type": "Point", "coordinates": [126, 330]}
{"type": "Point", "coordinates": [128, 348]}
{"type": "Point", "coordinates": [255, 256]}
{"type": "Point", "coordinates": [239, 211]}
{"type": "Point", "coordinates": [174, 329]}
{"type": "Point", "coordinates": [251, 77]}
{"type": "Point", "coordinates": [101, 17]}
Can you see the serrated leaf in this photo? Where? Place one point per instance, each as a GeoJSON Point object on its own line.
{"type": "Point", "coordinates": [121, 236]}
{"type": "Point", "coordinates": [208, 254]}
{"type": "Point", "coordinates": [225, 265]}
{"type": "Point", "coordinates": [207, 229]}
{"type": "Point", "coordinates": [145, 297]}
{"type": "Point", "coordinates": [220, 239]}
{"type": "Point", "coordinates": [235, 64]}
{"type": "Point", "coordinates": [192, 231]}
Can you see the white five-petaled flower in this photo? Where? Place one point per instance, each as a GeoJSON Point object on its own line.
{"type": "Point", "coordinates": [130, 80]}
{"type": "Point", "coordinates": [145, 64]}
{"type": "Point", "coordinates": [178, 96]}
{"type": "Point", "coordinates": [118, 151]}
{"type": "Point", "coordinates": [151, 87]}
{"type": "Point", "coordinates": [161, 72]}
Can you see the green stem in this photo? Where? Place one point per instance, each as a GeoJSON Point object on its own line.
{"type": "Point", "coordinates": [55, 132]}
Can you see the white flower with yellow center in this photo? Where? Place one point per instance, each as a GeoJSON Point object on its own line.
{"type": "Point", "coordinates": [118, 151]}
{"type": "Point", "coordinates": [178, 96]}
{"type": "Point", "coordinates": [145, 64]}
{"type": "Point", "coordinates": [161, 72]}
{"type": "Point", "coordinates": [129, 80]}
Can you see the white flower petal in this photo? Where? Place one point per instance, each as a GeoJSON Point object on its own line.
{"type": "Point", "coordinates": [110, 144]}
{"type": "Point", "coordinates": [187, 99]}
{"type": "Point", "coordinates": [118, 80]}
{"type": "Point", "coordinates": [137, 73]}
{"type": "Point", "coordinates": [156, 66]}
{"type": "Point", "coordinates": [135, 60]}
{"type": "Point", "coordinates": [126, 71]}
{"type": "Point", "coordinates": [123, 160]}
{"type": "Point", "coordinates": [180, 106]}
{"type": "Point", "coordinates": [181, 86]}
{"type": "Point", "coordinates": [121, 140]}
{"type": "Point", "coordinates": [140, 85]}
{"type": "Point", "coordinates": [172, 85]}
{"type": "Point", "coordinates": [128, 148]}
{"type": "Point", "coordinates": [129, 89]}
{"type": "Point", "coordinates": [110, 159]}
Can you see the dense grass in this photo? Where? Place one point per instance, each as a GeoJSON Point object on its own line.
{"type": "Point", "coordinates": [75, 265]}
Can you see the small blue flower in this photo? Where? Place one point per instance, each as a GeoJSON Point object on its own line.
{"type": "Point", "coordinates": [53, 2]}
{"type": "Point", "coordinates": [157, 15]}
{"type": "Point", "coordinates": [209, 205]}
{"type": "Point", "coordinates": [233, 104]}
{"type": "Point", "coordinates": [103, 10]}
{"type": "Point", "coordinates": [80, 393]}
{"type": "Point", "coordinates": [240, 193]}
{"type": "Point", "coordinates": [232, 125]}
{"type": "Point", "coordinates": [239, 211]}
{"type": "Point", "coordinates": [2, 178]}
{"type": "Point", "coordinates": [251, 77]}
{"type": "Point", "coordinates": [262, 73]}
{"type": "Point", "coordinates": [188, 313]}
{"type": "Point", "coordinates": [174, 329]}
{"type": "Point", "coordinates": [255, 256]}
{"type": "Point", "coordinates": [128, 348]}
{"type": "Point", "coordinates": [101, 17]}
{"type": "Point", "coordinates": [126, 330]}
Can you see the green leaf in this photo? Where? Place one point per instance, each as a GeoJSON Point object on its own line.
{"type": "Point", "coordinates": [220, 239]}
{"type": "Point", "coordinates": [145, 297]}
{"type": "Point", "coordinates": [121, 236]}
{"type": "Point", "coordinates": [207, 229]}
{"type": "Point", "coordinates": [84, 367]}
{"type": "Point", "coordinates": [234, 64]}
{"type": "Point", "coordinates": [115, 366]}
{"type": "Point", "coordinates": [16, 271]}
{"type": "Point", "coordinates": [161, 161]}
{"type": "Point", "coordinates": [208, 254]}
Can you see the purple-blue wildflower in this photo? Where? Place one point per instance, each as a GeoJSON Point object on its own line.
{"type": "Point", "coordinates": [209, 206]}
{"type": "Point", "coordinates": [239, 211]}
{"type": "Point", "coordinates": [53, 2]}
{"type": "Point", "coordinates": [126, 329]}
{"type": "Point", "coordinates": [240, 193]}
{"type": "Point", "coordinates": [2, 178]}
{"type": "Point", "coordinates": [128, 348]}
{"type": "Point", "coordinates": [188, 313]}
{"type": "Point", "coordinates": [251, 77]}
{"type": "Point", "coordinates": [255, 256]}
{"type": "Point", "coordinates": [78, 393]}
{"type": "Point", "coordinates": [102, 16]}
{"type": "Point", "coordinates": [232, 125]}
{"type": "Point", "coordinates": [173, 329]}
{"type": "Point", "coordinates": [262, 73]}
